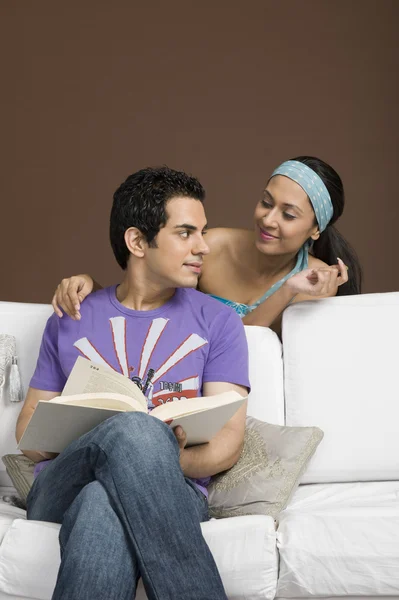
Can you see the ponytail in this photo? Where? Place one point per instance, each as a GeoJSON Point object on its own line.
{"type": "Point", "coordinates": [332, 245]}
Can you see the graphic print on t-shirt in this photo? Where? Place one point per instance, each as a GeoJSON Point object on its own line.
{"type": "Point", "coordinates": [147, 375]}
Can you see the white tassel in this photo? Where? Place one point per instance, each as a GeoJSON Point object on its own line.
{"type": "Point", "coordinates": [2, 386]}
{"type": "Point", "coordinates": [10, 379]}
{"type": "Point", "coordinates": [15, 383]}
{"type": "Point", "coordinates": [7, 351]}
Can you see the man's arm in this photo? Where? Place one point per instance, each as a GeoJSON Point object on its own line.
{"type": "Point", "coordinates": [223, 451]}
{"type": "Point", "coordinates": [32, 398]}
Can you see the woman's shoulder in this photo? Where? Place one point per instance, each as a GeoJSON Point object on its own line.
{"type": "Point", "coordinates": [316, 263]}
{"type": "Point", "coordinates": [224, 237]}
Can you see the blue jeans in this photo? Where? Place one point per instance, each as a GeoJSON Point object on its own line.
{"type": "Point", "coordinates": [126, 511]}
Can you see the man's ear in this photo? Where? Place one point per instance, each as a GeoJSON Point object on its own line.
{"type": "Point", "coordinates": [135, 242]}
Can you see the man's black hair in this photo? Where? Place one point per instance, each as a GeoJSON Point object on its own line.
{"type": "Point", "coordinates": [141, 202]}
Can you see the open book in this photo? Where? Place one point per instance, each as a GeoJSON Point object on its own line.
{"type": "Point", "coordinates": [94, 393]}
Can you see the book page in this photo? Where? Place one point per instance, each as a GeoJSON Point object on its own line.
{"type": "Point", "coordinates": [188, 406]}
{"type": "Point", "coordinates": [202, 426]}
{"type": "Point", "coordinates": [101, 400]}
{"type": "Point", "coordinates": [87, 377]}
{"type": "Point", "coordinates": [54, 426]}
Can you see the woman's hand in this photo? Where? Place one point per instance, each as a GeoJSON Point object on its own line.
{"type": "Point", "coordinates": [70, 293]}
{"type": "Point", "coordinates": [322, 282]}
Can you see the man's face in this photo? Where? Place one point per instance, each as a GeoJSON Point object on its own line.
{"type": "Point", "coordinates": [177, 259]}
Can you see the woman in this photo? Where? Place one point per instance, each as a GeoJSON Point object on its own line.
{"type": "Point", "coordinates": [284, 259]}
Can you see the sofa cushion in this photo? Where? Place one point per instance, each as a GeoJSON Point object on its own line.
{"type": "Point", "coordinates": [8, 514]}
{"type": "Point", "coordinates": [244, 549]}
{"type": "Point", "coordinates": [340, 540]}
{"type": "Point", "coordinates": [267, 473]}
{"type": "Point", "coordinates": [29, 559]}
{"type": "Point", "coordinates": [20, 470]}
{"type": "Point", "coordinates": [340, 364]}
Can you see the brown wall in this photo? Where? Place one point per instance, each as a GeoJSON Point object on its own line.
{"type": "Point", "coordinates": [94, 90]}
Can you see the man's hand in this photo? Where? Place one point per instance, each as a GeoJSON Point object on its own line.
{"type": "Point", "coordinates": [224, 449]}
{"type": "Point", "coordinates": [182, 441]}
{"type": "Point", "coordinates": [70, 293]}
{"type": "Point", "coordinates": [48, 455]}
{"type": "Point", "coordinates": [322, 281]}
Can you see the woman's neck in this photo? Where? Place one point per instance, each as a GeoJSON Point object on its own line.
{"type": "Point", "coordinates": [270, 266]}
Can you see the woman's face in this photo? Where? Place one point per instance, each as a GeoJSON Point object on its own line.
{"type": "Point", "coordinates": [284, 218]}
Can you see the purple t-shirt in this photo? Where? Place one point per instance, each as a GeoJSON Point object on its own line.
{"type": "Point", "coordinates": [169, 351]}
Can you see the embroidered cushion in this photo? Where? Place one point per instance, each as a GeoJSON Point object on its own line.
{"type": "Point", "coordinates": [20, 471]}
{"type": "Point", "coordinates": [270, 467]}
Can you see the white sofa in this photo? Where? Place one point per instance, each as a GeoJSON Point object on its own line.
{"type": "Point", "coordinates": [339, 536]}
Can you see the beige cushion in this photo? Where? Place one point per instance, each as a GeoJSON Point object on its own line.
{"type": "Point", "coordinates": [20, 471]}
{"type": "Point", "coordinates": [273, 459]}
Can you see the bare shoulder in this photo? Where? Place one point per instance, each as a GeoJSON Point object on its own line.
{"type": "Point", "coordinates": [316, 263]}
{"type": "Point", "coordinates": [223, 237]}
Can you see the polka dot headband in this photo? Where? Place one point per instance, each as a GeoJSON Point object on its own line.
{"type": "Point", "coordinates": [313, 185]}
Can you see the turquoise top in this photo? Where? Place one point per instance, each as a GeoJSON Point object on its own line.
{"type": "Point", "coordinates": [244, 309]}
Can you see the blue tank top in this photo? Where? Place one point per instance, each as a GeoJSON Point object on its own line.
{"type": "Point", "coordinates": [243, 309]}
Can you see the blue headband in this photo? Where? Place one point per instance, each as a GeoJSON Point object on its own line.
{"type": "Point", "coordinates": [313, 185]}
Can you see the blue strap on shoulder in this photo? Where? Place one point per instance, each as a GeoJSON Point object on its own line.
{"type": "Point", "coordinates": [243, 309]}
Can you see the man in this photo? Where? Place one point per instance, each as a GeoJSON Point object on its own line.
{"type": "Point", "coordinates": [129, 494]}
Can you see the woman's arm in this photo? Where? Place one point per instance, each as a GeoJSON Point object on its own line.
{"type": "Point", "coordinates": [269, 311]}
{"type": "Point", "coordinates": [309, 284]}
{"type": "Point", "coordinates": [71, 292]}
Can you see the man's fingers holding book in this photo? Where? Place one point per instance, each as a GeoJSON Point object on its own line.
{"type": "Point", "coordinates": [180, 436]}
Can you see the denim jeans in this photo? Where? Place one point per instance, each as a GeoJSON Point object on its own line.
{"type": "Point", "coordinates": [126, 510]}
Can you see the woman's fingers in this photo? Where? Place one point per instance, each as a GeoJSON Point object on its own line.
{"type": "Point", "coordinates": [54, 304]}
{"type": "Point", "coordinates": [343, 271]}
{"type": "Point", "coordinates": [318, 278]}
{"type": "Point", "coordinates": [66, 297]}
{"type": "Point", "coordinates": [61, 298]}
{"type": "Point", "coordinates": [70, 293]}
{"type": "Point", "coordinates": [74, 286]}
{"type": "Point", "coordinates": [313, 277]}
{"type": "Point", "coordinates": [314, 283]}
{"type": "Point", "coordinates": [325, 280]}
{"type": "Point", "coordinates": [324, 275]}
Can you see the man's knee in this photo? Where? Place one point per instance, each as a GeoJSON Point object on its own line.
{"type": "Point", "coordinates": [90, 498]}
{"type": "Point", "coordinates": [136, 430]}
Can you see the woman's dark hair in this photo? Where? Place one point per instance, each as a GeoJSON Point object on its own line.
{"type": "Point", "coordinates": [331, 244]}
{"type": "Point", "coordinates": [141, 202]}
